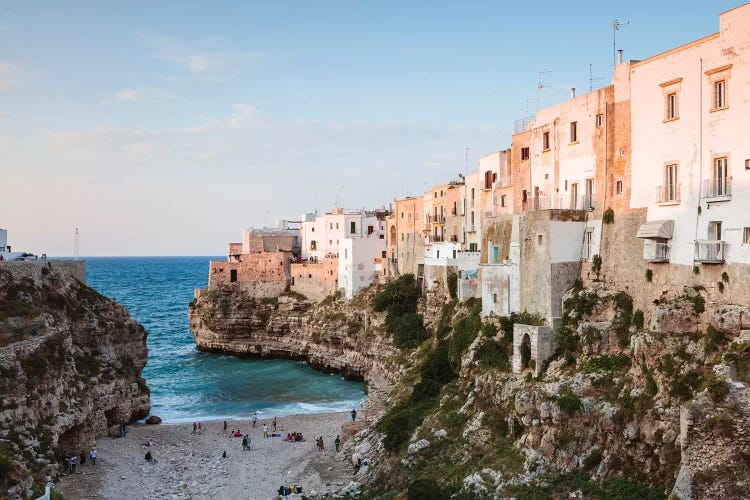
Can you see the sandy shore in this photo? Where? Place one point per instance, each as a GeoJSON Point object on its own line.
{"type": "Point", "coordinates": [191, 466]}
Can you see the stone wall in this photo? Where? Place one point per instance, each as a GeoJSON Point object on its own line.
{"type": "Point", "coordinates": [267, 274]}
{"type": "Point", "coordinates": [541, 342]}
{"type": "Point", "coordinates": [34, 268]}
{"type": "Point", "coordinates": [315, 280]}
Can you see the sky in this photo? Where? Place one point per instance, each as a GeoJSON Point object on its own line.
{"type": "Point", "coordinates": [166, 127]}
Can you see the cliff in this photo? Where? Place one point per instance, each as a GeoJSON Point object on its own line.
{"type": "Point", "coordinates": [70, 361]}
{"type": "Point", "coordinates": [622, 409]}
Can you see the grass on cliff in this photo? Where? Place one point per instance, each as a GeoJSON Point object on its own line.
{"type": "Point", "coordinates": [561, 486]}
{"type": "Point", "coordinates": [399, 299]}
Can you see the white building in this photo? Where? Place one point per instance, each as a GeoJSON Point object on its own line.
{"type": "Point", "coordinates": [691, 147]}
{"type": "Point", "coordinates": [360, 263]}
{"type": "Point", "coordinates": [322, 236]}
{"type": "Point", "coordinates": [5, 249]}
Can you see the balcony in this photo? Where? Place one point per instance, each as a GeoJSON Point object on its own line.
{"type": "Point", "coordinates": [435, 239]}
{"type": "Point", "coordinates": [717, 189]}
{"type": "Point", "coordinates": [710, 251]}
{"type": "Point", "coordinates": [454, 238]}
{"type": "Point", "coordinates": [655, 251]}
{"type": "Point", "coordinates": [472, 228]}
{"type": "Point", "coordinates": [436, 219]}
{"type": "Point", "coordinates": [543, 202]}
{"type": "Point", "coordinates": [668, 194]}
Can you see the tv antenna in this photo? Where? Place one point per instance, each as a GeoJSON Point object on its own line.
{"type": "Point", "coordinates": [592, 79]}
{"type": "Point", "coordinates": [615, 28]}
{"type": "Point", "coordinates": [338, 197]}
{"type": "Point", "coordinates": [75, 245]}
{"type": "Point", "coordinates": [539, 87]}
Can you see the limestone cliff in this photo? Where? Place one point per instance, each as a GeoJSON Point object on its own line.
{"type": "Point", "coordinates": [70, 364]}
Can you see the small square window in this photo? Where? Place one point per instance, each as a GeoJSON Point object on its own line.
{"type": "Point", "coordinates": [546, 176]}
{"type": "Point", "coordinates": [545, 141]}
{"type": "Point", "coordinates": [619, 187]}
{"type": "Point", "coordinates": [622, 151]}
{"type": "Point", "coordinates": [494, 298]}
{"type": "Point", "coordinates": [573, 131]}
{"type": "Point", "coordinates": [746, 235]}
{"type": "Point", "coordinates": [539, 239]}
{"type": "Point", "coordinates": [502, 200]}
{"type": "Point", "coordinates": [524, 153]}
{"type": "Point", "coordinates": [599, 120]}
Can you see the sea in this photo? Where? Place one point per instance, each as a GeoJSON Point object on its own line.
{"type": "Point", "coordinates": [188, 385]}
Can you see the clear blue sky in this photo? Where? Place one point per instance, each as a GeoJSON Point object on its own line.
{"type": "Point", "coordinates": [164, 128]}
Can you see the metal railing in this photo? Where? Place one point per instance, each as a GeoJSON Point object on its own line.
{"type": "Point", "coordinates": [710, 251]}
{"type": "Point", "coordinates": [522, 125]}
{"type": "Point", "coordinates": [435, 239]}
{"type": "Point", "coordinates": [655, 251]}
{"type": "Point", "coordinates": [669, 193]}
{"type": "Point", "coordinates": [472, 228]}
{"type": "Point", "coordinates": [719, 187]}
{"type": "Point", "coordinates": [543, 202]}
{"type": "Point", "coordinates": [454, 238]}
{"type": "Point", "coordinates": [436, 219]}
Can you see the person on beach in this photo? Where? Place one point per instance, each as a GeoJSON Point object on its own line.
{"type": "Point", "coordinates": [224, 455]}
{"type": "Point", "coordinates": [92, 455]}
{"type": "Point", "coordinates": [244, 443]}
{"type": "Point", "coordinates": [249, 441]}
{"type": "Point", "coordinates": [199, 428]}
{"type": "Point", "coordinates": [354, 414]}
{"type": "Point", "coordinates": [274, 424]}
{"type": "Point", "coordinates": [66, 463]}
{"type": "Point", "coordinates": [255, 419]}
{"type": "Point", "coordinates": [149, 457]}
{"type": "Point", "coordinates": [195, 428]}
{"type": "Point", "coordinates": [225, 426]}
{"type": "Point", "coordinates": [265, 430]}
{"type": "Point", "coordinates": [337, 442]}
{"type": "Point", "coordinates": [73, 462]}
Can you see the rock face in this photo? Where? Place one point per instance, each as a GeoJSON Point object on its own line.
{"type": "Point", "coordinates": [332, 336]}
{"type": "Point", "coordinates": [70, 365]}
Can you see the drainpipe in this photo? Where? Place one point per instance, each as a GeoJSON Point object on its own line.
{"type": "Point", "coordinates": [700, 158]}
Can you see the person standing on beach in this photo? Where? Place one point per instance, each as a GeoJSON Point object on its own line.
{"type": "Point", "coordinates": [255, 418]}
{"type": "Point", "coordinates": [274, 424]}
{"type": "Point", "coordinates": [244, 443]}
{"type": "Point", "coordinates": [195, 428]}
{"type": "Point", "coordinates": [265, 430]}
{"type": "Point", "coordinates": [337, 442]}
{"type": "Point", "coordinates": [225, 426]}
{"type": "Point", "coordinates": [249, 441]}
{"type": "Point", "coordinates": [73, 462]}
{"type": "Point", "coordinates": [66, 463]}
{"type": "Point", "coordinates": [199, 428]}
{"type": "Point", "coordinates": [354, 414]}
{"type": "Point", "coordinates": [92, 455]}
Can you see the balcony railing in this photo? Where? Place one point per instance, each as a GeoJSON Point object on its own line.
{"type": "Point", "coordinates": [720, 187]}
{"type": "Point", "coordinates": [669, 193]}
{"type": "Point", "coordinates": [472, 228]}
{"type": "Point", "coordinates": [542, 202]}
{"type": "Point", "coordinates": [655, 251]}
{"type": "Point", "coordinates": [454, 238]}
{"type": "Point", "coordinates": [435, 239]}
{"type": "Point", "coordinates": [710, 251]}
{"type": "Point", "coordinates": [436, 219]}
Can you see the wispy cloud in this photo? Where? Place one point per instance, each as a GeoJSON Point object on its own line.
{"type": "Point", "coordinates": [129, 94]}
{"type": "Point", "coordinates": [207, 58]}
{"type": "Point", "coordinates": [10, 76]}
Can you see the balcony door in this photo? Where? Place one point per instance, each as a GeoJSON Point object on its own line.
{"type": "Point", "coordinates": [574, 196]}
{"type": "Point", "coordinates": [670, 183]}
{"type": "Point", "coordinates": [721, 177]}
{"type": "Point", "coordinates": [714, 230]}
{"type": "Point", "coordinates": [589, 193]}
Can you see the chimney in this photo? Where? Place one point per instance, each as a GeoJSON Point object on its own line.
{"type": "Point", "coordinates": [572, 92]}
{"type": "Point", "coordinates": [619, 56]}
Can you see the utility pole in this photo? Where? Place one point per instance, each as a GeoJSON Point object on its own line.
{"type": "Point", "coordinates": [75, 245]}
{"type": "Point", "coordinates": [615, 28]}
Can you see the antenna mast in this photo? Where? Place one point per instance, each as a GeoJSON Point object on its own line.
{"type": "Point", "coordinates": [539, 87]}
{"type": "Point", "coordinates": [592, 79]}
{"type": "Point", "coordinates": [615, 27]}
{"type": "Point", "coordinates": [75, 245]}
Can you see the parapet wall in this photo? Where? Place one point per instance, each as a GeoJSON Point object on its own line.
{"type": "Point", "coordinates": [262, 275]}
{"type": "Point", "coordinates": [317, 280]}
{"type": "Point", "coordinates": [33, 268]}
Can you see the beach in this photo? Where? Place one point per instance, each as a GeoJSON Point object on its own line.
{"type": "Point", "coordinates": [191, 466]}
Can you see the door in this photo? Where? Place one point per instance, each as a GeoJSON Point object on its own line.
{"type": "Point", "coordinates": [589, 194]}
{"type": "Point", "coordinates": [496, 251]}
{"type": "Point", "coordinates": [574, 196]}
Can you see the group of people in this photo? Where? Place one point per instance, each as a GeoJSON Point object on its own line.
{"type": "Point", "coordinates": [71, 461]}
{"type": "Point", "coordinates": [294, 437]}
{"type": "Point", "coordinates": [198, 427]}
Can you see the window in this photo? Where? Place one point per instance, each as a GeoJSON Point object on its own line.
{"type": "Point", "coordinates": [746, 235]}
{"type": "Point", "coordinates": [494, 298]}
{"type": "Point", "coordinates": [402, 236]}
{"type": "Point", "coordinates": [313, 245]}
{"type": "Point", "coordinates": [370, 229]}
{"type": "Point", "coordinates": [747, 164]}
{"type": "Point", "coordinates": [622, 151]}
{"type": "Point", "coordinates": [566, 185]}
{"type": "Point", "coordinates": [524, 154]}
{"type": "Point", "coordinates": [573, 131]}
{"type": "Point", "coordinates": [402, 215]}
{"type": "Point", "coordinates": [588, 238]}
{"type": "Point", "coordinates": [346, 253]}
{"type": "Point", "coordinates": [383, 254]}
{"type": "Point", "coordinates": [670, 192]}
{"type": "Point", "coordinates": [233, 275]}
{"type": "Point", "coordinates": [721, 177]}
{"type": "Point", "coordinates": [671, 107]}
{"type": "Point", "coordinates": [353, 227]}
{"type": "Point", "coordinates": [599, 120]}
{"type": "Point", "coordinates": [472, 195]}
{"type": "Point", "coordinates": [714, 230]}
{"type": "Point", "coordinates": [313, 229]}
{"type": "Point", "coordinates": [720, 94]}
{"type": "Point", "coordinates": [502, 200]}
{"type": "Point", "coordinates": [488, 179]}
{"type": "Point", "coordinates": [337, 225]}
{"type": "Point", "coordinates": [331, 225]}
{"type": "Point", "coordinates": [574, 196]}
{"type": "Point", "coordinates": [545, 141]}
{"type": "Point", "coordinates": [589, 205]}
{"type": "Point", "coordinates": [619, 187]}
{"type": "Point", "coordinates": [539, 239]}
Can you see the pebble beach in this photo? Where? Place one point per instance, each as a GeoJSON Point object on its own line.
{"type": "Point", "coordinates": [191, 466]}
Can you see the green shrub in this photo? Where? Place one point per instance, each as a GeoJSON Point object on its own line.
{"type": "Point", "coordinates": [426, 489]}
{"type": "Point", "coordinates": [408, 329]}
{"type": "Point", "coordinates": [725, 277]}
{"type": "Point", "coordinates": [489, 330]}
{"type": "Point", "coordinates": [522, 318]}
{"type": "Point", "coordinates": [649, 275]}
{"type": "Point", "coordinates": [717, 387]}
{"type": "Point", "coordinates": [398, 297]}
{"type": "Point", "coordinates": [608, 363]}
{"type": "Point", "coordinates": [651, 388]}
{"type": "Point", "coordinates": [714, 339]}
{"type": "Point", "coordinates": [443, 327]}
{"type": "Point", "coordinates": [568, 401]}
{"type": "Point", "coordinates": [637, 320]}
{"type": "Point", "coordinates": [567, 343]}
{"type": "Point", "coordinates": [493, 354]}
{"type": "Point", "coordinates": [465, 331]}
{"type": "Point", "coordinates": [684, 386]}
{"type": "Point", "coordinates": [596, 265]}
{"type": "Point", "coordinates": [592, 460]}
{"type": "Point", "coordinates": [696, 269]}
{"type": "Point", "coordinates": [400, 421]}
{"type": "Point", "coordinates": [721, 425]}
{"type": "Point", "coordinates": [738, 357]}
{"type": "Point", "coordinates": [435, 373]}
{"type": "Point", "coordinates": [452, 280]}
{"type": "Point", "coordinates": [720, 286]}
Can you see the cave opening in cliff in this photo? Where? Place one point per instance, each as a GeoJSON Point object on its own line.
{"type": "Point", "coordinates": [74, 439]}
{"type": "Point", "coordinates": [111, 416]}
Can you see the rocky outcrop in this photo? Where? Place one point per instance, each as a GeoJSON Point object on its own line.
{"type": "Point", "coordinates": [70, 365]}
{"type": "Point", "coordinates": [332, 336]}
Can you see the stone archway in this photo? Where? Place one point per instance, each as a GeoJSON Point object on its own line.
{"type": "Point", "coordinates": [532, 346]}
{"type": "Point", "coordinates": [525, 351]}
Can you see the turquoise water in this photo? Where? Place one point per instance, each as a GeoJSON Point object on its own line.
{"type": "Point", "coordinates": [188, 385]}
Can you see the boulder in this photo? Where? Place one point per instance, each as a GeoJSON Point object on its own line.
{"type": "Point", "coordinates": [153, 420]}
